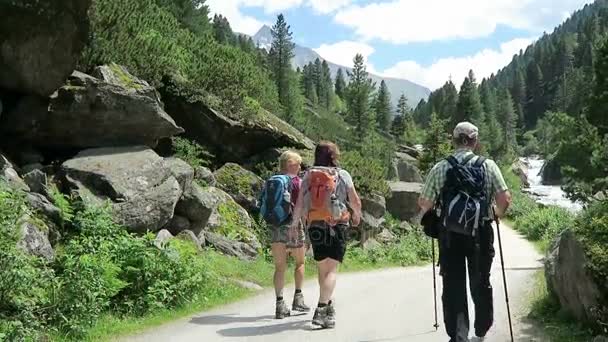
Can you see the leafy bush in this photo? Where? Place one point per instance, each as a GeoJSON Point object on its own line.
{"type": "Point", "coordinates": [544, 223]}
{"type": "Point", "coordinates": [191, 152]}
{"type": "Point", "coordinates": [63, 203]}
{"type": "Point", "coordinates": [412, 249]}
{"type": "Point", "coordinates": [369, 175]}
{"type": "Point", "coordinates": [233, 224]}
{"type": "Point", "coordinates": [522, 203]}
{"type": "Point", "coordinates": [235, 180]}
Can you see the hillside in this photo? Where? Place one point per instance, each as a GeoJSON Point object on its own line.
{"type": "Point", "coordinates": [305, 55]}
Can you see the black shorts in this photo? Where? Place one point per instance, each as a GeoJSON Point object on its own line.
{"type": "Point", "coordinates": [328, 242]}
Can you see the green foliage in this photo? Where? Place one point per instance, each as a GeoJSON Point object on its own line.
{"type": "Point", "coordinates": [369, 175]}
{"type": "Point", "coordinates": [358, 96]}
{"type": "Point", "coordinates": [522, 203]}
{"type": "Point", "coordinates": [63, 203]}
{"type": "Point", "coordinates": [236, 180]}
{"type": "Point", "coordinates": [279, 57]}
{"type": "Point", "coordinates": [437, 144]}
{"type": "Point", "coordinates": [192, 14]}
{"type": "Point", "coordinates": [191, 152]}
{"type": "Point", "coordinates": [469, 103]}
{"type": "Point", "coordinates": [413, 248]}
{"type": "Point", "coordinates": [382, 106]}
{"type": "Point", "coordinates": [234, 225]}
{"type": "Point", "coordinates": [544, 224]}
{"type": "Point", "coordinates": [340, 85]}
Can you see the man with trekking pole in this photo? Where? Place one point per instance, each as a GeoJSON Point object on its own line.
{"type": "Point", "coordinates": [462, 196]}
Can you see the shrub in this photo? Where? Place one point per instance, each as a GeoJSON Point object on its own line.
{"type": "Point", "coordinates": [234, 225]}
{"type": "Point", "coordinates": [191, 152]}
{"type": "Point", "coordinates": [544, 224]}
{"type": "Point", "coordinates": [412, 249]}
{"type": "Point", "coordinates": [368, 174]}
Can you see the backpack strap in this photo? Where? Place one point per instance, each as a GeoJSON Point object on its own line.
{"type": "Point", "coordinates": [480, 161]}
{"type": "Point", "coordinates": [452, 160]}
{"type": "Point", "coordinates": [467, 159]}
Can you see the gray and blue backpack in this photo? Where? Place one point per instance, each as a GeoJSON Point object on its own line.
{"type": "Point", "coordinates": [464, 201]}
{"type": "Point", "coordinates": [276, 207]}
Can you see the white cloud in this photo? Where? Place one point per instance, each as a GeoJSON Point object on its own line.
{"type": "Point", "coordinates": [327, 6]}
{"type": "Point", "coordinates": [238, 21]}
{"type": "Point", "coordinates": [406, 21]}
{"type": "Point", "coordinates": [483, 63]}
{"type": "Point", "coordinates": [344, 52]}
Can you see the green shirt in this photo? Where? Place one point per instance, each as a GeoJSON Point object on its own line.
{"type": "Point", "coordinates": [495, 183]}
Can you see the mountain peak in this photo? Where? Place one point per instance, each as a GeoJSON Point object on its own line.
{"type": "Point", "coordinates": [264, 32]}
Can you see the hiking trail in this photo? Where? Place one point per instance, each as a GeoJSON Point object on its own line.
{"type": "Point", "coordinates": [388, 305]}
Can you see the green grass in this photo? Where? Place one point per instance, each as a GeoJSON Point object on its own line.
{"type": "Point", "coordinates": [558, 326]}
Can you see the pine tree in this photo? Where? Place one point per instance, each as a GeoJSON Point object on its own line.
{"type": "Point", "coordinates": [436, 143]}
{"type": "Point", "coordinates": [340, 85]}
{"type": "Point", "coordinates": [535, 102]}
{"type": "Point", "coordinates": [398, 127]}
{"type": "Point", "coordinates": [508, 117]}
{"type": "Point", "coordinates": [382, 106]}
{"type": "Point", "coordinates": [358, 94]}
{"type": "Point", "coordinates": [308, 84]}
{"type": "Point", "coordinates": [327, 84]}
{"type": "Point", "coordinates": [518, 92]}
{"type": "Point", "coordinates": [469, 103]}
{"type": "Point", "coordinates": [222, 31]}
{"type": "Point", "coordinates": [280, 55]}
{"type": "Point", "coordinates": [599, 100]}
{"type": "Point", "coordinates": [450, 100]}
{"type": "Point", "coordinates": [192, 14]}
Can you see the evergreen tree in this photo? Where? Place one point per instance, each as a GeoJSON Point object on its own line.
{"type": "Point", "coordinates": [327, 84]}
{"type": "Point", "coordinates": [536, 102]}
{"type": "Point", "coordinates": [280, 55]}
{"type": "Point", "coordinates": [437, 143]}
{"type": "Point", "coordinates": [222, 31]}
{"type": "Point", "coordinates": [450, 100]}
{"type": "Point", "coordinates": [358, 94]}
{"type": "Point", "coordinates": [382, 106]}
{"type": "Point", "coordinates": [192, 14]}
{"type": "Point", "coordinates": [469, 103]}
{"type": "Point", "coordinates": [518, 92]}
{"type": "Point", "coordinates": [599, 99]}
{"type": "Point", "coordinates": [508, 117]}
{"type": "Point", "coordinates": [308, 84]}
{"type": "Point", "coordinates": [398, 126]}
{"type": "Point", "coordinates": [340, 84]}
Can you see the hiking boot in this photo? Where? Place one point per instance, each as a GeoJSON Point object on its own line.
{"type": "Point", "coordinates": [323, 319]}
{"type": "Point", "coordinates": [331, 311]}
{"type": "Point", "coordinates": [282, 310]}
{"type": "Point", "coordinates": [298, 303]}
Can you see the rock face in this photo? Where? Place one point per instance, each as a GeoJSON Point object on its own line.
{"type": "Point", "coordinates": [137, 182]}
{"type": "Point", "coordinates": [35, 239]}
{"type": "Point", "coordinates": [196, 206]}
{"type": "Point", "coordinates": [374, 204]}
{"type": "Point", "coordinates": [403, 204]}
{"type": "Point", "coordinates": [40, 43]}
{"type": "Point", "coordinates": [162, 238]}
{"type": "Point", "coordinates": [521, 170]}
{"type": "Point", "coordinates": [116, 109]}
{"type": "Point", "coordinates": [244, 186]}
{"type": "Point", "coordinates": [43, 206]}
{"type": "Point", "coordinates": [374, 209]}
{"type": "Point", "coordinates": [205, 176]}
{"type": "Point", "coordinates": [36, 181]}
{"type": "Point", "coordinates": [229, 139]}
{"type": "Point", "coordinates": [405, 168]}
{"type": "Point", "coordinates": [226, 246]}
{"type": "Point", "coordinates": [568, 280]}
{"type": "Point", "coordinates": [10, 175]}
{"type": "Point", "coordinates": [183, 172]}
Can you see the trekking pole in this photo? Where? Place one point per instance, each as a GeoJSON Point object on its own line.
{"type": "Point", "coordinates": [434, 284]}
{"type": "Point", "coordinates": [504, 277]}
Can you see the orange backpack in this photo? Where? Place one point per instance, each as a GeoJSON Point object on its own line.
{"type": "Point", "coordinates": [321, 199]}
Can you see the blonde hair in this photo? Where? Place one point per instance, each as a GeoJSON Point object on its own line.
{"type": "Point", "coordinates": [288, 157]}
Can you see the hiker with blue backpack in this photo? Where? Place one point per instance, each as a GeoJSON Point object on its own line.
{"type": "Point", "coordinates": [277, 202]}
{"type": "Point", "coordinates": [327, 198]}
{"type": "Point", "coordinates": [462, 196]}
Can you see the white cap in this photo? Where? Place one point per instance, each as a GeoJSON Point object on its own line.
{"type": "Point", "coordinates": [466, 128]}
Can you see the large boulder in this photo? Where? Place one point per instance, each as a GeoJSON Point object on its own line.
{"type": "Point", "coordinates": [231, 139]}
{"type": "Point", "coordinates": [403, 204]}
{"type": "Point", "coordinates": [116, 109]}
{"type": "Point", "coordinates": [374, 204]}
{"type": "Point", "coordinates": [405, 168]}
{"type": "Point", "coordinates": [42, 205]}
{"type": "Point", "coordinates": [243, 185]}
{"type": "Point", "coordinates": [137, 182]}
{"type": "Point", "coordinates": [196, 206]}
{"type": "Point", "coordinates": [34, 238]}
{"type": "Point", "coordinates": [36, 180]}
{"type": "Point", "coordinates": [568, 280]}
{"type": "Point", "coordinates": [182, 171]}
{"type": "Point", "coordinates": [41, 42]}
{"type": "Point", "coordinates": [10, 175]}
{"type": "Point", "coordinates": [521, 170]}
{"type": "Point", "coordinates": [230, 247]}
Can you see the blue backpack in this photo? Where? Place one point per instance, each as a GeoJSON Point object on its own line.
{"type": "Point", "coordinates": [276, 200]}
{"type": "Point", "coordinates": [464, 201]}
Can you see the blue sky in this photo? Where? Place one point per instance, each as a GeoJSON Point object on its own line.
{"type": "Point", "coordinates": [425, 41]}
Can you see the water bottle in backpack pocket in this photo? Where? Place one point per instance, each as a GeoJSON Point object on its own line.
{"type": "Point", "coordinates": [276, 207]}
{"type": "Point", "coordinates": [464, 202]}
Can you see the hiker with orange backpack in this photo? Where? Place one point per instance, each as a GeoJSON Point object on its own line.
{"type": "Point", "coordinates": [327, 194]}
{"type": "Point", "coordinates": [277, 202]}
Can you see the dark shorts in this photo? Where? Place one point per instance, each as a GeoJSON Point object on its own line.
{"type": "Point", "coordinates": [328, 242]}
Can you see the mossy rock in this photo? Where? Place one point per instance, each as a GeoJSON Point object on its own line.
{"type": "Point", "coordinates": [243, 185]}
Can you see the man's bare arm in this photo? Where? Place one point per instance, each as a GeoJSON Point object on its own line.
{"type": "Point", "coordinates": [503, 202]}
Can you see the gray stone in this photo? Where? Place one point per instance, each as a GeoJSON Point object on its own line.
{"type": "Point", "coordinates": [40, 43]}
{"type": "Point", "coordinates": [248, 285]}
{"type": "Point", "coordinates": [374, 204]}
{"type": "Point", "coordinates": [10, 175]}
{"type": "Point", "coordinates": [36, 181]}
{"type": "Point", "coordinates": [243, 185]}
{"type": "Point", "coordinates": [31, 167]}
{"type": "Point", "coordinates": [600, 339]}
{"type": "Point", "coordinates": [230, 139]}
{"type": "Point", "coordinates": [196, 205]}
{"type": "Point", "coordinates": [226, 246]}
{"type": "Point", "coordinates": [406, 227]}
{"type": "Point", "coordinates": [183, 172]}
{"type": "Point", "coordinates": [34, 239]}
{"type": "Point", "coordinates": [403, 204]}
{"type": "Point", "coordinates": [371, 244]}
{"type": "Point", "coordinates": [88, 112]}
{"type": "Point", "coordinates": [386, 237]}
{"type": "Point", "coordinates": [178, 224]}
{"type": "Point", "coordinates": [142, 191]}
{"type": "Point", "coordinates": [188, 235]}
{"type": "Point", "coordinates": [521, 170]}
{"type": "Point", "coordinates": [205, 176]}
{"type": "Point", "coordinates": [162, 238]}
{"type": "Point", "coordinates": [42, 205]}
{"type": "Point", "coordinates": [568, 280]}
{"type": "Point", "coordinates": [405, 168]}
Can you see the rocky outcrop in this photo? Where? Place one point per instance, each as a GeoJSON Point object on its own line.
{"type": "Point", "coordinates": [10, 175]}
{"type": "Point", "coordinates": [374, 204]}
{"type": "Point", "coordinates": [115, 109]}
{"type": "Point", "coordinates": [386, 237]}
{"type": "Point", "coordinates": [34, 238]}
{"type": "Point", "coordinates": [567, 278]}
{"type": "Point", "coordinates": [40, 43]}
{"type": "Point", "coordinates": [162, 238]}
{"type": "Point", "coordinates": [403, 204]}
{"type": "Point", "coordinates": [405, 168]}
{"type": "Point", "coordinates": [183, 172]}
{"type": "Point", "coordinates": [189, 236]}
{"type": "Point", "coordinates": [230, 247]}
{"type": "Point", "coordinates": [230, 139]}
{"type": "Point", "coordinates": [196, 206]}
{"type": "Point", "coordinates": [244, 186]}
{"type": "Point", "coordinates": [179, 224]}
{"type": "Point", "coordinates": [42, 205]}
{"type": "Point", "coordinates": [204, 176]}
{"type": "Point", "coordinates": [521, 170]}
{"type": "Point", "coordinates": [140, 187]}
{"type": "Point", "coordinates": [372, 221]}
{"type": "Point", "coordinates": [36, 181]}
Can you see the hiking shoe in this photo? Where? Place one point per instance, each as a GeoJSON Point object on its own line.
{"type": "Point", "coordinates": [298, 303]}
{"type": "Point", "coordinates": [331, 311]}
{"type": "Point", "coordinates": [323, 319]}
{"type": "Point", "coordinates": [282, 310]}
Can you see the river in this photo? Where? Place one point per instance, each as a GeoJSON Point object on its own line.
{"type": "Point", "coordinates": [546, 194]}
